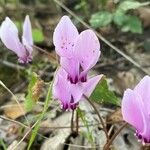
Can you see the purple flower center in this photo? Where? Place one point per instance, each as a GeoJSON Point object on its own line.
{"type": "Point", "coordinates": [141, 138]}
{"type": "Point", "coordinates": [71, 105]}
{"type": "Point", "coordinates": [73, 81]}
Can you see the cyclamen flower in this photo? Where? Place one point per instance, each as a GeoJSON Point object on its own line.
{"type": "Point", "coordinates": [78, 52]}
{"type": "Point", "coordinates": [136, 109]}
{"type": "Point", "coordinates": [10, 38]}
{"type": "Point", "coordinates": [70, 94]}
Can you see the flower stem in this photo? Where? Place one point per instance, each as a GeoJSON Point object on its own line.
{"type": "Point", "coordinates": [77, 122]}
{"type": "Point", "coordinates": [100, 118]}
{"type": "Point", "coordinates": [107, 145]}
{"type": "Point", "coordinates": [72, 123]}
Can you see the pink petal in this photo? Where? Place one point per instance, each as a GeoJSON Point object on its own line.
{"type": "Point", "coordinates": [27, 34]}
{"type": "Point", "coordinates": [76, 91]}
{"type": "Point", "coordinates": [87, 49]}
{"type": "Point", "coordinates": [146, 129]}
{"type": "Point", "coordinates": [143, 89]}
{"type": "Point", "coordinates": [91, 84]}
{"type": "Point", "coordinates": [68, 94]}
{"type": "Point", "coordinates": [132, 110]}
{"type": "Point", "coordinates": [9, 36]}
{"type": "Point", "coordinates": [60, 88]}
{"type": "Point", "coordinates": [71, 66]}
{"type": "Point", "coordinates": [64, 36]}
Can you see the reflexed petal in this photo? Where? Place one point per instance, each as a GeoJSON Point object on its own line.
{"type": "Point", "coordinates": [146, 129]}
{"type": "Point", "coordinates": [90, 85]}
{"type": "Point", "coordinates": [9, 36]}
{"type": "Point", "coordinates": [68, 94]}
{"type": "Point", "coordinates": [87, 50]}
{"type": "Point", "coordinates": [71, 66]}
{"type": "Point", "coordinates": [27, 34]}
{"type": "Point", "coordinates": [143, 88]}
{"type": "Point", "coordinates": [76, 91]}
{"type": "Point", "coordinates": [60, 88]}
{"type": "Point", "coordinates": [132, 109]}
{"type": "Point", "coordinates": [64, 36]}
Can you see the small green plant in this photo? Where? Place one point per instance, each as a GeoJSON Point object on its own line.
{"type": "Point", "coordinates": [102, 94]}
{"type": "Point", "coordinates": [120, 17]}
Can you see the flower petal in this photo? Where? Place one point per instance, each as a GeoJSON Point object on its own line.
{"type": "Point", "coordinates": [143, 88]}
{"type": "Point", "coordinates": [60, 88]}
{"type": "Point", "coordinates": [132, 109]}
{"type": "Point", "coordinates": [68, 94]}
{"type": "Point", "coordinates": [9, 36]}
{"type": "Point", "coordinates": [90, 85]}
{"type": "Point", "coordinates": [27, 39]}
{"type": "Point", "coordinates": [64, 36]}
{"type": "Point", "coordinates": [71, 66]}
{"type": "Point", "coordinates": [87, 49]}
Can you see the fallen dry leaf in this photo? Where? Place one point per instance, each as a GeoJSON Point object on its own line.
{"type": "Point", "coordinates": [144, 14]}
{"type": "Point", "coordinates": [14, 111]}
{"type": "Point", "coordinates": [115, 116]}
{"type": "Point", "coordinates": [124, 80]}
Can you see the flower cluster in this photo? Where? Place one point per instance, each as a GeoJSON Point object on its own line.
{"type": "Point", "coordinates": [136, 109]}
{"type": "Point", "coordinates": [9, 36]}
{"type": "Point", "coordinates": [78, 54]}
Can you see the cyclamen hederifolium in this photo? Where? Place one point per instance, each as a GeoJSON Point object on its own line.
{"type": "Point", "coordinates": [136, 109]}
{"type": "Point", "coordinates": [78, 54]}
{"type": "Point", "coordinates": [9, 36]}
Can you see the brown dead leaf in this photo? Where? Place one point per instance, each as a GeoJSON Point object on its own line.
{"type": "Point", "coordinates": [14, 111]}
{"type": "Point", "coordinates": [124, 80]}
{"type": "Point", "coordinates": [144, 14]}
{"type": "Point", "coordinates": [110, 5]}
{"type": "Point", "coordinates": [115, 116]}
{"type": "Point", "coordinates": [37, 89]}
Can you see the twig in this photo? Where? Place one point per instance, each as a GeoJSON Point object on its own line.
{"type": "Point", "coordinates": [100, 118]}
{"type": "Point", "coordinates": [101, 37]}
{"type": "Point", "coordinates": [19, 123]}
{"type": "Point", "coordinates": [14, 121]}
{"type": "Point", "coordinates": [12, 65]}
{"type": "Point", "coordinates": [44, 51]}
{"type": "Point", "coordinates": [106, 147]}
{"type": "Point", "coordinates": [25, 136]}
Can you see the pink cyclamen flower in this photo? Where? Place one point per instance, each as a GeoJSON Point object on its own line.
{"type": "Point", "coordinates": [78, 52]}
{"type": "Point", "coordinates": [70, 94]}
{"type": "Point", "coordinates": [136, 109]}
{"type": "Point", "coordinates": [10, 38]}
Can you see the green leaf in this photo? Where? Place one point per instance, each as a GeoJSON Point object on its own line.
{"type": "Point", "coordinates": [80, 5]}
{"type": "Point", "coordinates": [3, 145]}
{"type": "Point", "coordinates": [101, 19]}
{"type": "Point", "coordinates": [132, 24]}
{"type": "Point", "coordinates": [29, 102]}
{"type": "Point", "coordinates": [119, 18]}
{"type": "Point", "coordinates": [102, 94]}
{"type": "Point", "coordinates": [19, 25]}
{"type": "Point", "coordinates": [37, 35]}
{"type": "Point", "coordinates": [36, 128]}
{"type": "Point", "coordinates": [128, 5]}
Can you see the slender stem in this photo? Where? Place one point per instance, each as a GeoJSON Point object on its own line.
{"type": "Point", "coordinates": [15, 146]}
{"type": "Point", "coordinates": [72, 123]}
{"type": "Point", "coordinates": [77, 122]}
{"type": "Point", "coordinates": [106, 147]}
{"type": "Point", "coordinates": [100, 118]}
{"type": "Point", "coordinates": [44, 51]}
